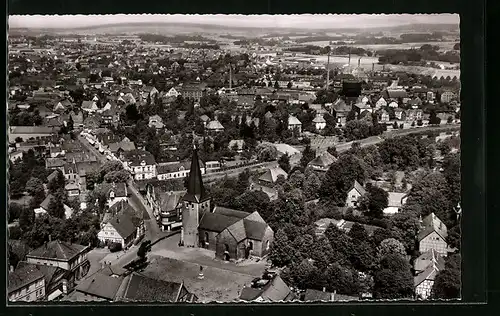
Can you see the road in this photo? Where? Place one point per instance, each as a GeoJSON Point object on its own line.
{"type": "Point", "coordinates": [153, 231]}
{"type": "Point", "coordinates": [100, 157]}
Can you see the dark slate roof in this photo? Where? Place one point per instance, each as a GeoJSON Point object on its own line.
{"type": "Point", "coordinates": [429, 257]}
{"type": "Point", "coordinates": [195, 189]}
{"type": "Point", "coordinates": [120, 189]}
{"type": "Point", "coordinates": [123, 225]}
{"type": "Point", "coordinates": [216, 222]}
{"type": "Point", "coordinates": [358, 187]}
{"type": "Point", "coordinates": [430, 224]}
{"type": "Point", "coordinates": [100, 285]}
{"type": "Point", "coordinates": [323, 160]}
{"type": "Point", "coordinates": [254, 230]}
{"type": "Point", "coordinates": [250, 293]}
{"type": "Point", "coordinates": [230, 212]}
{"type": "Point", "coordinates": [124, 208]}
{"type": "Point", "coordinates": [428, 274]}
{"type": "Point", "coordinates": [275, 290]}
{"type": "Point", "coordinates": [315, 295]}
{"type": "Point", "coordinates": [22, 277]}
{"type": "Point", "coordinates": [59, 250]}
{"type": "Point", "coordinates": [137, 156]}
{"type": "Point", "coordinates": [48, 271]}
{"type": "Point", "coordinates": [143, 289]}
{"type": "Point", "coordinates": [341, 106]}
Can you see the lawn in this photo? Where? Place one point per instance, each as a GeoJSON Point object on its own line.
{"type": "Point", "coordinates": [217, 285]}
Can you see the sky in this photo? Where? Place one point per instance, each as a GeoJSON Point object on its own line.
{"type": "Point", "coordinates": [307, 21]}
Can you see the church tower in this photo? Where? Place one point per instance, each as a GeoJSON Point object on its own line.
{"type": "Point", "coordinates": [194, 204]}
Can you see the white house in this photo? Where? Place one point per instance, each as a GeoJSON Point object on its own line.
{"type": "Point", "coordinates": [89, 106]}
{"type": "Point", "coordinates": [393, 104]}
{"type": "Point", "coordinates": [432, 235]}
{"type": "Point", "coordinates": [172, 93]}
{"type": "Point", "coordinates": [396, 201]}
{"type": "Point", "coordinates": [119, 230]}
{"type": "Point", "coordinates": [319, 122]}
{"type": "Point", "coordinates": [176, 170]}
{"type": "Point", "coordinates": [115, 193]}
{"type": "Point", "coordinates": [424, 281]}
{"type": "Point", "coordinates": [354, 194]}
{"type": "Point", "coordinates": [294, 123]}
{"type": "Point", "coordinates": [141, 163]}
{"type": "Point", "coordinates": [381, 103]}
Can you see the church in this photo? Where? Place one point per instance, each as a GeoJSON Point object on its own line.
{"type": "Point", "coordinates": [230, 233]}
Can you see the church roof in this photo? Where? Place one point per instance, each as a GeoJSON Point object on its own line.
{"type": "Point", "coordinates": [195, 189]}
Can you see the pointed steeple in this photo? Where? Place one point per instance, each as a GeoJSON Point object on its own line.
{"type": "Point", "coordinates": [195, 189]}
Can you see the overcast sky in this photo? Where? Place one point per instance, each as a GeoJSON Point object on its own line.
{"type": "Point", "coordinates": [302, 21]}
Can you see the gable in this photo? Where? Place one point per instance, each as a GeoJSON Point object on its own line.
{"type": "Point", "coordinates": [432, 237]}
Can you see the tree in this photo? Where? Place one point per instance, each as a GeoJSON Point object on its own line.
{"type": "Point", "coordinates": [70, 123]}
{"type": "Point", "coordinates": [434, 119]}
{"type": "Point", "coordinates": [378, 200]}
{"type": "Point", "coordinates": [454, 236]}
{"type": "Point", "coordinates": [266, 153]}
{"type": "Point", "coordinates": [254, 201]}
{"type": "Point", "coordinates": [312, 184]}
{"type": "Point", "coordinates": [447, 284]}
{"type": "Point", "coordinates": [26, 219]}
{"type": "Point", "coordinates": [391, 246]}
{"type": "Point", "coordinates": [452, 174]}
{"type": "Point", "coordinates": [333, 151]}
{"type": "Point", "coordinates": [307, 155]}
{"type": "Point", "coordinates": [289, 85]}
{"type": "Point", "coordinates": [276, 85]}
{"type": "Point", "coordinates": [342, 280]}
{"type": "Point", "coordinates": [394, 279]}
{"type": "Point", "coordinates": [14, 212]}
{"type": "Point", "coordinates": [35, 188]}
{"type": "Point", "coordinates": [56, 207]}
{"type": "Point", "coordinates": [117, 176]}
{"type": "Point", "coordinates": [56, 184]}
{"type": "Point", "coordinates": [284, 163]}
{"type": "Point", "coordinates": [281, 252]}
{"type": "Point", "coordinates": [340, 242]}
{"type": "Point", "coordinates": [303, 275]}
{"type": "Point", "coordinates": [340, 177]}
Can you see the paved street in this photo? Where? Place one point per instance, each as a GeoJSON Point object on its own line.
{"type": "Point", "coordinates": [100, 157]}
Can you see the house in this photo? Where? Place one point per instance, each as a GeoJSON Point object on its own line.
{"type": "Point", "coordinates": [237, 144]}
{"type": "Point", "coordinates": [115, 192]}
{"type": "Point", "coordinates": [400, 114]}
{"type": "Point", "coordinates": [30, 132]}
{"type": "Point", "coordinates": [432, 235]}
{"type": "Point", "coordinates": [204, 119]}
{"type": "Point", "coordinates": [447, 96]}
{"type": "Point", "coordinates": [119, 229]}
{"type": "Point", "coordinates": [120, 148]}
{"type": "Point", "coordinates": [311, 295]}
{"type": "Point", "coordinates": [414, 115]}
{"type": "Point", "coordinates": [99, 287]}
{"type": "Point", "coordinates": [322, 224]}
{"type": "Point", "coordinates": [394, 94]}
{"type": "Point", "coordinates": [166, 207]}
{"type": "Point", "coordinates": [393, 104]}
{"type": "Point", "coordinates": [44, 207]}
{"type": "Point", "coordinates": [141, 163]}
{"type": "Point", "coordinates": [72, 189]}
{"type": "Point", "coordinates": [89, 106]}
{"type": "Point", "coordinates": [175, 170]}
{"type": "Point", "coordinates": [140, 288]}
{"type": "Point", "coordinates": [340, 110]}
{"type": "Point", "coordinates": [124, 208]}
{"type": "Point", "coordinates": [353, 194]}
{"type": "Point", "coordinates": [214, 126]}
{"type": "Point", "coordinates": [294, 123]}
{"type": "Point", "coordinates": [271, 175]}
{"type": "Point", "coordinates": [322, 162]}
{"type": "Point", "coordinates": [26, 284]}
{"type": "Point", "coordinates": [172, 93]}
{"type": "Point", "coordinates": [230, 233]}
{"type": "Point", "coordinates": [415, 103]}
{"type": "Point", "coordinates": [193, 91]}
{"type": "Point", "coordinates": [54, 277]}
{"type": "Point", "coordinates": [270, 288]}
{"type": "Point", "coordinates": [424, 281]}
{"type": "Point", "coordinates": [15, 156]}
{"type": "Point", "coordinates": [319, 122]}
{"type": "Point", "coordinates": [361, 107]}
{"type": "Point", "coordinates": [426, 259]}
{"type": "Point", "coordinates": [70, 257]}
{"type": "Point", "coordinates": [156, 122]}
{"type": "Point", "coordinates": [396, 201]}
{"type": "Point", "coordinates": [384, 116]}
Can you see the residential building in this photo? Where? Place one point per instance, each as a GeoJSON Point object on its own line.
{"type": "Point", "coordinates": [353, 194]}
{"type": "Point", "coordinates": [140, 288]}
{"type": "Point", "coordinates": [175, 170]}
{"type": "Point", "coordinates": [172, 92]}
{"type": "Point", "coordinates": [319, 122]}
{"type": "Point", "coordinates": [26, 284]}
{"type": "Point", "coordinates": [322, 162]}
{"type": "Point", "coordinates": [295, 124]}
{"type": "Point", "coordinates": [396, 200]}
{"type": "Point", "coordinates": [70, 257]}
{"type": "Point", "coordinates": [214, 127]}
{"type": "Point", "coordinates": [156, 122]}
{"type": "Point", "coordinates": [340, 110]}
{"type": "Point", "coordinates": [30, 132]}
{"type": "Point", "coordinates": [271, 175]}
{"type": "Point", "coordinates": [447, 96]}
{"type": "Point", "coordinates": [424, 281]}
{"type": "Point", "coordinates": [120, 229]}
{"type": "Point", "coordinates": [141, 164]}
{"type": "Point", "coordinates": [432, 235]}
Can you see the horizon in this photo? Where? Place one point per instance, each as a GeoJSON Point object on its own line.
{"type": "Point", "coordinates": [302, 21]}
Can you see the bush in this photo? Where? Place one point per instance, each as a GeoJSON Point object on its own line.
{"type": "Point", "coordinates": [15, 232]}
{"type": "Point", "coordinates": [115, 247]}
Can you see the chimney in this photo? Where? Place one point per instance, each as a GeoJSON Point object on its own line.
{"type": "Point", "coordinates": [333, 295]}
{"type": "Point", "coordinates": [324, 289]}
{"type": "Point", "coordinates": [50, 238]}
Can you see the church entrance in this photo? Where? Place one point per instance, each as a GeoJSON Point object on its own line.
{"type": "Point", "coordinates": [248, 250]}
{"type": "Point", "coordinates": [226, 252]}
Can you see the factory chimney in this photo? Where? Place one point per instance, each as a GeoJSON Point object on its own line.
{"type": "Point", "coordinates": [328, 71]}
{"type": "Point", "coordinates": [359, 62]}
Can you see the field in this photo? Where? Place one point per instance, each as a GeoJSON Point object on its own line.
{"type": "Point", "coordinates": [442, 45]}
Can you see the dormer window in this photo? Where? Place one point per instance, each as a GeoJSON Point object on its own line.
{"type": "Point", "coordinates": [143, 163]}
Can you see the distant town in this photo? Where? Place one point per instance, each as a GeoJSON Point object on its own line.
{"type": "Point", "coordinates": [213, 167]}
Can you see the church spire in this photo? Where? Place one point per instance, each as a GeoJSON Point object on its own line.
{"type": "Point", "coordinates": [195, 189]}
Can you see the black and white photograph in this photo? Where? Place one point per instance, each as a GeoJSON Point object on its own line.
{"type": "Point", "coordinates": [233, 158]}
